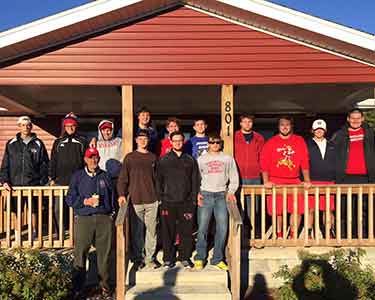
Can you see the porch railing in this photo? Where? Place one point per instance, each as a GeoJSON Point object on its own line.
{"type": "Point", "coordinates": [27, 218]}
{"type": "Point", "coordinates": [349, 223]}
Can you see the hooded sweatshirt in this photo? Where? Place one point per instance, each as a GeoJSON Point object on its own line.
{"type": "Point", "coordinates": [110, 152]}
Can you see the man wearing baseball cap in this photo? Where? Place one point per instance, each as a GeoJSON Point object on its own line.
{"type": "Point", "coordinates": [66, 157]}
{"type": "Point", "coordinates": [25, 162]}
{"type": "Point", "coordinates": [91, 195]}
{"type": "Point", "coordinates": [322, 155]}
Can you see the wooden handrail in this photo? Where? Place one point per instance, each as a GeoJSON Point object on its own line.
{"type": "Point", "coordinates": [234, 248]}
{"type": "Point", "coordinates": [122, 245]}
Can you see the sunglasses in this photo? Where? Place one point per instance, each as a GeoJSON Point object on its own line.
{"type": "Point", "coordinates": [214, 142]}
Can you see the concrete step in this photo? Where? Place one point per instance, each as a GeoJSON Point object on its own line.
{"type": "Point", "coordinates": [177, 276]}
{"type": "Point", "coordinates": [214, 291]}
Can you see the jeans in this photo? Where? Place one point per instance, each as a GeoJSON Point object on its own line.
{"type": "Point", "coordinates": [143, 217]}
{"type": "Point", "coordinates": [212, 203]}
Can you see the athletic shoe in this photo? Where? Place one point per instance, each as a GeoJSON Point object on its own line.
{"type": "Point", "coordinates": [187, 264]}
{"type": "Point", "coordinates": [221, 266]}
{"type": "Point", "coordinates": [168, 265]}
{"type": "Point", "coordinates": [198, 264]}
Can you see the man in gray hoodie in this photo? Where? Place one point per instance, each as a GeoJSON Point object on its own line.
{"type": "Point", "coordinates": [219, 183]}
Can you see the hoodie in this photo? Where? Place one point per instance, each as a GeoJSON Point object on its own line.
{"type": "Point", "coordinates": [110, 152]}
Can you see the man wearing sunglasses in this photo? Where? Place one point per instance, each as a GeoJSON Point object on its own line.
{"type": "Point", "coordinates": [219, 183]}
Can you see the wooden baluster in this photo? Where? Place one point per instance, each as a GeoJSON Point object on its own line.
{"type": "Point", "coordinates": [40, 218]}
{"type": "Point", "coordinates": [61, 217]}
{"type": "Point", "coordinates": [2, 212]}
{"type": "Point", "coordinates": [263, 220]}
{"type": "Point", "coordinates": [338, 215]}
{"type": "Point", "coordinates": [371, 215]}
{"type": "Point", "coordinates": [349, 215]}
{"type": "Point", "coordinates": [50, 218]}
{"type": "Point", "coordinates": [285, 213]}
{"type": "Point", "coordinates": [360, 215]}
{"type": "Point", "coordinates": [316, 216]}
{"type": "Point", "coordinates": [30, 217]}
{"type": "Point", "coordinates": [306, 217]}
{"type": "Point", "coordinates": [274, 215]}
{"type": "Point", "coordinates": [328, 215]}
{"type": "Point", "coordinates": [8, 220]}
{"type": "Point", "coordinates": [19, 219]}
{"type": "Point", "coordinates": [71, 227]}
{"type": "Point", "coordinates": [252, 214]}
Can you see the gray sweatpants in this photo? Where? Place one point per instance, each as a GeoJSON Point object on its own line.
{"type": "Point", "coordinates": [143, 217]}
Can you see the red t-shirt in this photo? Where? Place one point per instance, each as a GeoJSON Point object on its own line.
{"type": "Point", "coordinates": [284, 158]}
{"type": "Point", "coordinates": [356, 158]}
{"type": "Point", "coordinates": [166, 146]}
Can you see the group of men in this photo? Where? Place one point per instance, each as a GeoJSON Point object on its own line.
{"type": "Point", "coordinates": [180, 182]}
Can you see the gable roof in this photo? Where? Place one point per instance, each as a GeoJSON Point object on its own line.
{"type": "Point", "coordinates": [101, 15]}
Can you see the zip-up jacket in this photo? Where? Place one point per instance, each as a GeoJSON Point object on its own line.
{"type": "Point", "coordinates": [178, 180]}
{"type": "Point", "coordinates": [25, 164]}
{"type": "Point", "coordinates": [322, 169]}
{"type": "Point", "coordinates": [247, 155]}
{"type": "Point", "coordinates": [82, 186]}
{"type": "Point", "coordinates": [66, 157]}
{"type": "Point", "coordinates": [341, 141]}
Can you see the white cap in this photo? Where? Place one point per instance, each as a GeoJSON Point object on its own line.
{"type": "Point", "coordinates": [319, 124]}
{"type": "Point", "coordinates": [24, 119]}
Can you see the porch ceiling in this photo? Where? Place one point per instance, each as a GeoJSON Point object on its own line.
{"type": "Point", "coordinates": [177, 100]}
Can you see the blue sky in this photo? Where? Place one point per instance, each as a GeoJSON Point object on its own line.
{"type": "Point", "coordinates": [358, 14]}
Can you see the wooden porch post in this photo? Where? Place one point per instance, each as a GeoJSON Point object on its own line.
{"type": "Point", "coordinates": [122, 230]}
{"type": "Point", "coordinates": [227, 118]}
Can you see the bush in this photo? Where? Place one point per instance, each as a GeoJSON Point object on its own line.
{"type": "Point", "coordinates": [338, 274]}
{"type": "Point", "coordinates": [35, 275]}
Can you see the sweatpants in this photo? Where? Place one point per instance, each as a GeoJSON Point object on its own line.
{"type": "Point", "coordinates": [170, 215]}
{"type": "Point", "coordinates": [89, 230]}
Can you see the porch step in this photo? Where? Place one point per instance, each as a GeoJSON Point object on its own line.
{"type": "Point", "coordinates": [177, 276]}
{"type": "Point", "coordinates": [213, 291]}
{"type": "Point", "coordinates": [177, 283]}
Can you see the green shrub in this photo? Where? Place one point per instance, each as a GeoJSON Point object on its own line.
{"type": "Point", "coordinates": [338, 274]}
{"type": "Point", "coordinates": [35, 275]}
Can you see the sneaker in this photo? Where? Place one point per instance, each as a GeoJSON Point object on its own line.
{"type": "Point", "coordinates": [187, 264]}
{"type": "Point", "coordinates": [168, 265]}
{"type": "Point", "coordinates": [153, 264]}
{"type": "Point", "coordinates": [198, 264]}
{"type": "Point", "coordinates": [139, 265]}
{"type": "Point", "coordinates": [221, 266]}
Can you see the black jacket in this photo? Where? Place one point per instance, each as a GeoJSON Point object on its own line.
{"type": "Point", "coordinates": [322, 169]}
{"type": "Point", "coordinates": [25, 165]}
{"type": "Point", "coordinates": [341, 142]}
{"type": "Point", "coordinates": [66, 157]}
{"type": "Point", "coordinates": [178, 180]}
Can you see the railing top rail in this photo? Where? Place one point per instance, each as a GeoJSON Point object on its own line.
{"type": "Point", "coordinates": [300, 187]}
{"type": "Point", "coordinates": [234, 213]}
{"type": "Point", "coordinates": [121, 215]}
{"type": "Point", "coordinates": [22, 188]}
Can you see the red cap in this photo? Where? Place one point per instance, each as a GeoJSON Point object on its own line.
{"type": "Point", "coordinates": [106, 125]}
{"type": "Point", "coordinates": [91, 152]}
{"type": "Point", "coordinates": [68, 122]}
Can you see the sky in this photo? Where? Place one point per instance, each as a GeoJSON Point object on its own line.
{"type": "Point", "coordinates": [358, 14]}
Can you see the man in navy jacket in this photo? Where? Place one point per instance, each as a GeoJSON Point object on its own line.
{"type": "Point", "coordinates": [91, 195]}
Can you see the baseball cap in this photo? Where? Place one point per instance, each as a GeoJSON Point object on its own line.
{"type": "Point", "coordinates": [106, 124]}
{"type": "Point", "coordinates": [319, 124]}
{"type": "Point", "coordinates": [24, 119]}
{"type": "Point", "coordinates": [70, 119]}
{"type": "Point", "coordinates": [91, 152]}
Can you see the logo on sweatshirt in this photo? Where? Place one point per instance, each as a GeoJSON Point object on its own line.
{"type": "Point", "coordinates": [215, 166]}
{"type": "Point", "coordinates": [286, 159]}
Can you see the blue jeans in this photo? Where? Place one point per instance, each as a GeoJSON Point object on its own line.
{"type": "Point", "coordinates": [212, 203]}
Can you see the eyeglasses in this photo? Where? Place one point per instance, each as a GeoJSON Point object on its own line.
{"type": "Point", "coordinates": [214, 142]}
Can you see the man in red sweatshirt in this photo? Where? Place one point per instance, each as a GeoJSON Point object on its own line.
{"type": "Point", "coordinates": [282, 158]}
{"type": "Point", "coordinates": [172, 124]}
{"type": "Point", "coordinates": [248, 145]}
